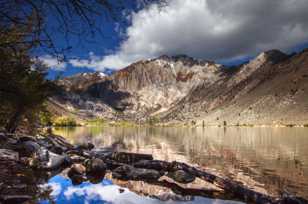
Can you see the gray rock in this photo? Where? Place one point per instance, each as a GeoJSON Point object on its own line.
{"type": "Point", "coordinates": [9, 154]}
{"type": "Point", "coordinates": [28, 148]}
{"type": "Point", "coordinates": [181, 176]}
{"type": "Point", "coordinates": [3, 137]}
{"type": "Point", "coordinates": [153, 164]}
{"type": "Point", "coordinates": [77, 174]}
{"type": "Point", "coordinates": [130, 173]}
{"type": "Point", "coordinates": [16, 198]}
{"type": "Point", "coordinates": [130, 158]}
{"type": "Point", "coordinates": [47, 160]}
{"type": "Point", "coordinates": [26, 138]}
{"type": "Point", "coordinates": [77, 169]}
{"type": "Point", "coordinates": [101, 153]}
{"type": "Point", "coordinates": [95, 167]}
{"type": "Point", "coordinates": [85, 146]}
{"type": "Point", "coordinates": [77, 158]}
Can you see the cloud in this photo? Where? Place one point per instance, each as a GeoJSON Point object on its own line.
{"type": "Point", "coordinates": [98, 63]}
{"type": "Point", "coordinates": [209, 29]}
{"type": "Point", "coordinates": [53, 63]}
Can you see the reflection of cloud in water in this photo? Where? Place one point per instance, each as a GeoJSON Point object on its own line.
{"type": "Point", "coordinates": [264, 158]}
{"type": "Point", "coordinates": [56, 189]}
{"type": "Point", "coordinates": [63, 192]}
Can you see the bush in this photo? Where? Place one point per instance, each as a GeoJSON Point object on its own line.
{"type": "Point", "coordinates": [153, 120]}
{"type": "Point", "coordinates": [96, 121]}
{"type": "Point", "coordinates": [45, 118]}
{"type": "Point", "coordinates": [64, 121]}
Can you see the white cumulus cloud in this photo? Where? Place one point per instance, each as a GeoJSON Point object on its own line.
{"type": "Point", "coordinates": [53, 62]}
{"type": "Point", "coordinates": [208, 29]}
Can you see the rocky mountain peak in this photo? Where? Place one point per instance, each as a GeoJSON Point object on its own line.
{"type": "Point", "coordinates": [184, 59]}
{"type": "Point", "coordinates": [272, 56]}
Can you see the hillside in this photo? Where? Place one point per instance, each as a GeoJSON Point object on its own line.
{"type": "Point", "coordinates": [270, 89]}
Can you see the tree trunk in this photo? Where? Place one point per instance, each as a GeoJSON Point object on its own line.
{"type": "Point", "coordinates": [14, 121]}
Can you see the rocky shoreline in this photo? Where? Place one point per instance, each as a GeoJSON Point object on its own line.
{"type": "Point", "coordinates": [43, 156]}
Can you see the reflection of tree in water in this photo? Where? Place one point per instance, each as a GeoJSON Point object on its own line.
{"type": "Point", "coordinates": [273, 157]}
{"type": "Point", "coordinates": [20, 182]}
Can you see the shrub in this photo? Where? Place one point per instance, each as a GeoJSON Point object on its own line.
{"type": "Point", "coordinates": [45, 118]}
{"type": "Point", "coordinates": [153, 120]}
{"type": "Point", "coordinates": [64, 121]}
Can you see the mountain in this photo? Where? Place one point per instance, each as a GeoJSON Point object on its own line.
{"type": "Point", "coordinates": [272, 88]}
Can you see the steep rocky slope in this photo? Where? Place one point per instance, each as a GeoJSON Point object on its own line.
{"type": "Point", "coordinates": [141, 90]}
{"type": "Point", "coordinates": [272, 88]}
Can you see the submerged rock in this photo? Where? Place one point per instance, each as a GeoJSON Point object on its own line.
{"type": "Point", "coordinates": [16, 198]}
{"type": "Point", "coordinates": [7, 154]}
{"type": "Point", "coordinates": [130, 173]}
{"type": "Point", "coordinates": [95, 167]}
{"type": "Point", "coordinates": [153, 164]}
{"type": "Point", "coordinates": [130, 158]}
{"type": "Point", "coordinates": [181, 176]}
{"type": "Point", "coordinates": [3, 137]}
{"type": "Point", "coordinates": [85, 146]}
{"type": "Point", "coordinates": [77, 158]}
{"type": "Point", "coordinates": [101, 153]}
{"type": "Point", "coordinates": [77, 169]}
{"type": "Point", "coordinates": [28, 148]}
{"type": "Point", "coordinates": [77, 173]}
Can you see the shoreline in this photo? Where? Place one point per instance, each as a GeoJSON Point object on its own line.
{"type": "Point", "coordinates": [51, 154]}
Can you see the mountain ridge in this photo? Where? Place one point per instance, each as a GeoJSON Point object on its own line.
{"type": "Point", "coordinates": [184, 89]}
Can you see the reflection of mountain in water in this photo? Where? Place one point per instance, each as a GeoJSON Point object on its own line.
{"type": "Point", "coordinates": [271, 158]}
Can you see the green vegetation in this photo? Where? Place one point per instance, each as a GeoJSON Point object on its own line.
{"type": "Point", "coordinates": [24, 36]}
{"type": "Point", "coordinates": [45, 117]}
{"type": "Point", "coordinates": [96, 121]}
{"type": "Point", "coordinates": [153, 120]}
{"type": "Point", "coordinates": [64, 121]}
{"type": "Point", "coordinates": [23, 84]}
{"type": "Point", "coordinates": [123, 123]}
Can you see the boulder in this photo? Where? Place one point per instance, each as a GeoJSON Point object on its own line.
{"type": "Point", "coordinates": [44, 159]}
{"type": "Point", "coordinates": [78, 179]}
{"type": "Point", "coordinates": [136, 174]}
{"type": "Point", "coordinates": [153, 164]}
{"type": "Point", "coordinates": [77, 158]}
{"type": "Point", "coordinates": [15, 198]}
{"type": "Point", "coordinates": [95, 167]}
{"type": "Point", "coordinates": [130, 158]}
{"type": "Point", "coordinates": [55, 144]}
{"type": "Point", "coordinates": [27, 148]}
{"type": "Point", "coordinates": [77, 174]}
{"type": "Point", "coordinates": [76, 169]}
{"type": "Point", "coordinates": [7, 154]}
{"type": "Point", "coordinates": [85, 146]}
{"type": "Point", "coordinates": [26, 138]}
{"type": "Point", "coordinates": [3, 137]}
{"type": "Point", "coordinates": [181, 176]}
{"type": "Point", "coordinates": [101, 153]}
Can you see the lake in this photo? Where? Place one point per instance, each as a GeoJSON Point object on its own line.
{"type": "Point", "coordinates": [272, 160]}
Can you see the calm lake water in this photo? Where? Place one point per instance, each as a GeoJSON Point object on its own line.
{"type": "Point", "coordinates": [273, 160]}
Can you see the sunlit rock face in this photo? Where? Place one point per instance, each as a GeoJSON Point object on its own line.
{"type": "Point", "coordinates": [269, 89]}
{"type": "Point", "coordinates": [143, 89]}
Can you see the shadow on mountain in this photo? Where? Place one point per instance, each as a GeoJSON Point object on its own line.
{"type": "Point", "coordinates": [109, 93]}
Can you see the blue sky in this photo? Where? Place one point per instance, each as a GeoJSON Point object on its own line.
{"type": "Point", "coordinates": [229, 32]}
